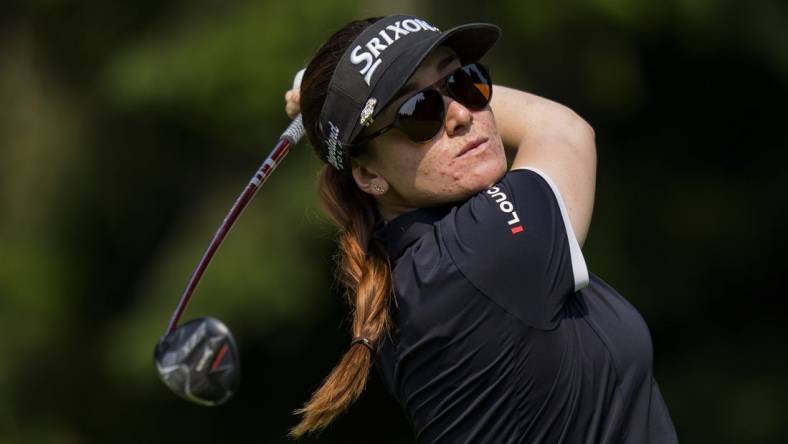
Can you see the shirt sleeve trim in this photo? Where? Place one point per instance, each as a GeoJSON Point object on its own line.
{"type": "Point", "coordinates": [579, 268]}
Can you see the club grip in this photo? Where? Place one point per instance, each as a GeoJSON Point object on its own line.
{"type": "Point", "coordinates": [297, 79]}
{"type": "Point", "coordinates": [295, 131]}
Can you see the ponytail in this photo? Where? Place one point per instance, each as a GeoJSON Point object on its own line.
{"type": "Point", "coordinates": [366, 276]}
{"type": "Point", "coordinates": [364, 270]}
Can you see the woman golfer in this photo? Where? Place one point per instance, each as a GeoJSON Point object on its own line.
{"type": "Point", "coordinates": [466, 280]}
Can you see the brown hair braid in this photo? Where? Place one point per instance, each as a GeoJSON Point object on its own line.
{"type": "Point", "coordinates": [364, 268]}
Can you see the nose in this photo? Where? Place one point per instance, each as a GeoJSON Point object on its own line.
{"type": "Point", "coordinates": [458, 117]}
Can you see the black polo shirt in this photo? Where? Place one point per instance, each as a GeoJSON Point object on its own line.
{"type": "Point", "coordinates": [500, 334]}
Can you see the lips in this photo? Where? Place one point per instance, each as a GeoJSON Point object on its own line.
{"type": "Point", "coordinates": [472, 145]}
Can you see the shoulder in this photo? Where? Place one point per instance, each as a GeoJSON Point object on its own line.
{"type": "Point", "coordinates": [513, 241]}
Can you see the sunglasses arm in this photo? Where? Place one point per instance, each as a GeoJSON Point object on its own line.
{"type": "Point", "coordinates": [377, 133]}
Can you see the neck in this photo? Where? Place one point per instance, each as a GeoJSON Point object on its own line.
{"type": "Point", "coordinates": [390, 212]}
{"type": "Point", "coordinates": [390, 206]}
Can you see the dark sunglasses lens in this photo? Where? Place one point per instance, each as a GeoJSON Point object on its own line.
{"type": "Point", "coordinates": [421, 116]}
{"type": "Point", "coordinates": [471, 85]}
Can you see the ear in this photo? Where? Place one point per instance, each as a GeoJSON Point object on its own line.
{"type": "Point", "coordinates": [368, 179]}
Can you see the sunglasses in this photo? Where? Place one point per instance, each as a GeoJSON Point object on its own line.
{"type": "Point", "coordinates": [421, 117]}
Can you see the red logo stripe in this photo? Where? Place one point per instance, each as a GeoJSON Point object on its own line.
{"type": "Point", "coordinates": [219, 357]}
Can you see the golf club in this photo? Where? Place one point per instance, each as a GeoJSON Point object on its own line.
{"type": "Point", "coordinates": [199, 359]}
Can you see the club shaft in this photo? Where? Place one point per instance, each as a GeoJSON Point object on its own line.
{"type": "Point", "coordinates": [289, 138]}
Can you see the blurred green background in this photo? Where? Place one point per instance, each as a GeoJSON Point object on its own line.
{"type": "Point", "coordinates": [128, 128]}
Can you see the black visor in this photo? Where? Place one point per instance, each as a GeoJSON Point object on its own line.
{"type": "Point", "coordinates": [377, 65]}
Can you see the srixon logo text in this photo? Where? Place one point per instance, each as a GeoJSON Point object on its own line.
{"type": "Point", "coordinates": [507, 207]}
{"type": "Point", "coordinates": [377, 45]}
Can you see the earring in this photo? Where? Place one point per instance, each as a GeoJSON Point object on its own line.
{"type": "Point", "coordinates": [379, 188]}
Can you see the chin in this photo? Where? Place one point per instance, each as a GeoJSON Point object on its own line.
{"type": "Point", "coordinates": [481, 177]}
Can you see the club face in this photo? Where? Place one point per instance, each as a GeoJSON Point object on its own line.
{"type": "Point", "coordinates": [199, 361]}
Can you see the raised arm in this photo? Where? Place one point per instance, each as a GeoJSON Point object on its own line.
{"type": "Point", "coordinates": [552, 138]}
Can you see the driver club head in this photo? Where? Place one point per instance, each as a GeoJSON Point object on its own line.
{"type": "Point", "coordinates": [199, 361]}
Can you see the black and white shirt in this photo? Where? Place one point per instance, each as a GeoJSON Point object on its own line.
{"type": "Point", "coordinates": [501, 335]}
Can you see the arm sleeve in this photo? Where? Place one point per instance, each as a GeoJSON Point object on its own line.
{"type": "Point", "coordinates": [515, 244]}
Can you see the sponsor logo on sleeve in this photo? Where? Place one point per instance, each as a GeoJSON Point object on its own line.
{"type": "Point", "coordinates": [507, 208]}
{"type": "Point", "coordinates": [370, 53]}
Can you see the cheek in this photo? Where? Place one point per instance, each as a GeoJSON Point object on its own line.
{"type": "Point", "coordinates": [400, 163]}
{"type": "Point", "coordinates": [432, 177]}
